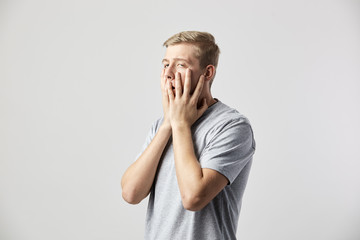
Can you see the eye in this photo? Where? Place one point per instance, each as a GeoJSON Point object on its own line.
{"type": "Point", "coordinates": [166, 65]}
{"type": "Point", "coordinates": [181, 65]}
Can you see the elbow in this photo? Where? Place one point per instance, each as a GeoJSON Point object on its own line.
{"type": "Point", "coordinates": [193, 203]}
{"type": "Point", "coordinates": [130, 196]}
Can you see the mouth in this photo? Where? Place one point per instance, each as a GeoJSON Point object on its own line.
{"type": "Point", "coordinates": [173, 90]}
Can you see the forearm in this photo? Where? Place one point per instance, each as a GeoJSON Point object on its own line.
{"type": "Point", "coordinates": [198, 186]}
{"type": "Point", "coordinates": [188, 170]}
{"type": "Point", "coordinates": [139, 177]}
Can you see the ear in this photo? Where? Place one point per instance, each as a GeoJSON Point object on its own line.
{"type": "Point", "coordinates": [209, 72]}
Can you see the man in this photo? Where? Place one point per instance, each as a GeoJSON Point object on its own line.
{"type": "Point", "coordinates": [197, 157]}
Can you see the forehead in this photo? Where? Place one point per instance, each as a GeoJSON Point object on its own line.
{"type": "Point", "coordinates": [184, 51]}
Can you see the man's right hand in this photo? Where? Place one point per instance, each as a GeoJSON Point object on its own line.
{"type": "Point", "coordinates": [165, 100]}
{"type": "Point", "coordinates": [138, 179]}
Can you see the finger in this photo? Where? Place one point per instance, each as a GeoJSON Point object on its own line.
{"type": "Point", "coordinates": [199, 88]}
{"type": "Point", "coordinates": [164, 91]}
{"type": "Point", "coordinates": [164, 82]}
{"type": "Point", "coordinates": [178, 88]}
{"type": "Point", "coordinates": [163, 79]}
{"type": "Point", "coordinates": [169, 91]}
{"type": "Point", "coordinates": [187, 83]}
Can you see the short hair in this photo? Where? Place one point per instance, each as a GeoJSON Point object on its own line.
{"type": "Point", "coordinates": [207, 51]}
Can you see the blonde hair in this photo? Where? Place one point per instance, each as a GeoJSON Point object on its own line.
{"type": "Point", "coordinates": [207, 51]}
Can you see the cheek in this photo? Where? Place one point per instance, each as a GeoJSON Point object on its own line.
{"type": "Point", "coordinates": [194, 82]}
{"type": "Point", "coordinates": [182, 74]}
{"type": "Point", "coordinates": [193, 85]}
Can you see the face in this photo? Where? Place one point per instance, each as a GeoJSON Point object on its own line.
{"type": "Point", "coordinates": [178, 58]}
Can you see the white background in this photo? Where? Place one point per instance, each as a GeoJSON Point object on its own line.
{"type": "Point", "coordinates": [79, 89]}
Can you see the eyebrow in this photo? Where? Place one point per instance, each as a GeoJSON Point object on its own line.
{"type": "Point", "coordinates": [177, 59]}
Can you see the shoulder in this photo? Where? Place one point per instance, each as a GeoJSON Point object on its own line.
{"type": "Point", "coordinates": [223, 123]}
{"type": "Point", "coordinates": [220, 116]}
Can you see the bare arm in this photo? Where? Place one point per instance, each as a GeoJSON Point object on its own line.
{"type": "Point", "coordinates": [139, 177]}
{"type": "Point", "coordinates": [197, 186]}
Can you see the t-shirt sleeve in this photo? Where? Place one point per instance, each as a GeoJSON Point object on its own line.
{"type": "Point", "coordinates": [230, 149]}
{"type": "Point", "coordinates": [149, 137]}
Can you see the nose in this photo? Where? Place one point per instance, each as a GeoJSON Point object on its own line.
{"type": "Point", "coordinates": [169, 73]}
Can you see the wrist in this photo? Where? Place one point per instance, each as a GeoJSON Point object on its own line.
{"type": "Point", "coordinates": [180, 126]}
{"type": "Point", "coordinates": [165, 126]}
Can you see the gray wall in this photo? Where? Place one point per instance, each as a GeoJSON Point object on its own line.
{"type": "Point", "coordinates": [79, 89]}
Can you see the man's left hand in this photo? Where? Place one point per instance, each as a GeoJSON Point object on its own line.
{"type": "Point", "coordinates": [183, 108]}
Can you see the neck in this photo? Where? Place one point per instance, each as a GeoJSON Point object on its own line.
{"type": "Point", "coordinates": [209, 99]}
